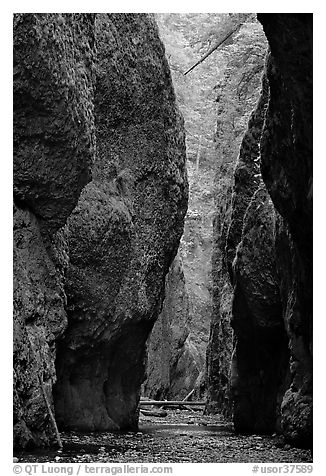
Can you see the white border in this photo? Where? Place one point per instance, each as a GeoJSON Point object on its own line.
{"type": "Point", "coordinates": [319, 194]}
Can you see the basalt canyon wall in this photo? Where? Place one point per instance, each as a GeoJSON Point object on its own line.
{"type": "Point", "coordinates": [286, 164]}
{"type": "Point", "coordinates": [168, 336]}
{"type": "Point", "coordinates": [89, 274]}
{"type": "Point", "coordinates": [124, 233]}
{"type": "Point", "coordinates": [269, 250]}
{"type": "Point", "coordinates": [174, 364]}
{"type": "Point", "coordinates": [183, 326]}
{"type": "Point", "coordinates": [237, 167]}
{"type": "Point", "coordinates": [228, 233]}
{"type": "Point", "coordinates": [53, 151]}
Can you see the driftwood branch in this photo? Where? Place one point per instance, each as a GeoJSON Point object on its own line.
{"type": "Point", "coordinates": [186, 398]}
{"type": "Point", "coordinates": [47, 403]}
{"type": "Point", "coordinates": [214, 47]}
{"type": "Point", "coordinates": [189, 395]}
{"type": "Point", "coordinates": [50, 412]}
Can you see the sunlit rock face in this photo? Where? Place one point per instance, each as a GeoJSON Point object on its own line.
{"type": "Point", "coordinates": [167, 340]}
{"type": "Point", "coordinates": [124, 233]}
{"type": "Point", "coordinates": [286, 164]}
{"type": "Point", "coordinates": [53, 151]}
{"type": "Point", "coordinates": [174, 363]}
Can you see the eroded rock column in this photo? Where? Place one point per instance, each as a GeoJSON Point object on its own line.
{"type": "Point", "coordinates": [124, 233]}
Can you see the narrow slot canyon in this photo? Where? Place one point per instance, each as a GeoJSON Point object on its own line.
{"type": "Point", "coordinates": [162, 237]}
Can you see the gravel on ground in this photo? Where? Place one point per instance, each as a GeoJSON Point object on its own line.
{"type": "Point", "coordinates": [183, 436]}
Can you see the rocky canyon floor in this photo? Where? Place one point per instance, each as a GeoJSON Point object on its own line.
{"type": "Point", "coordinates": [183, 436]}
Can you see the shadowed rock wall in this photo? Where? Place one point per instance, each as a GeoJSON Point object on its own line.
{"type": "Point", "coordinates": [259, 342]}
{"type": "Point", "coordinates": [286, 164]}
{"type": "Point", "coordinates": [260, 353]}
{"type": "Point", "coordinates": [53, 152]}
{"type": "Point", "coordinates": [101, 272]}
{"type": "Point", "coordinates": [269, 249]}
{"type": "Point", "coordinates": [247, 179]}
{"type": "Point", "coordinates": [124, 233]}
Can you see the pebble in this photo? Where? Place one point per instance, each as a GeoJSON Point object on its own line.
{"type": "Point", "coordinates": [179, 444]}
{"type": "Point", "coordinates": [15, 460]}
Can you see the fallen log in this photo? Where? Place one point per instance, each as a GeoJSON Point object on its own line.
{"type": "Point", "coordinates": [171, 403]}
{"type": "Point", "coordinates": [156, 413]}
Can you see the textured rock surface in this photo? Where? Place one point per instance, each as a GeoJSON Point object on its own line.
{"type": "Point", "coordinates": [196, 251]}
{"type": "Point", "coordinates": [39, 317]}
{"type": "Point", "coordinates": [271, 238]}
{"type": "Point", "coordinates": [260, 351]}
{"type": "Point", "coordinates": [246, 176]}
{"type": "Point", "coordinates": [53, 112]}
{"type": "Point", "coordinates": [246, 181]}
{"type": "Point", "coordinates": [53, 149]}
{"type": "Point", "coordinates": [286, 163]}
{"type": "Point", "coordinates": [167, 340]}
{"type": "Point", "coordinates": [219, 349]}
{"type": "Point", "coordinates": [296, 409]}
{"type": "Point", "coordinates": [124, 233]}
{"type": "Point", "coordinates": [189, 315]}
